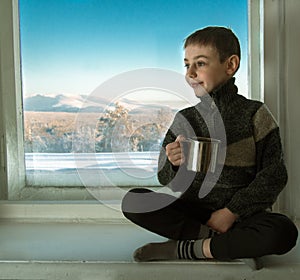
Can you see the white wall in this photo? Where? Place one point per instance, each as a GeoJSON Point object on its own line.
{"type": "Point", "coordinates": [292, 31]}
{"type": "Point", "coordinates": [282, 85]}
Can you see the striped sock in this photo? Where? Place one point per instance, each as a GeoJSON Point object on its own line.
{"type": "Point", "coordinates": [190, 249]}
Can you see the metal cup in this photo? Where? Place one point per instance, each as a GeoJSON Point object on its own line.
{"type": "Point", "coordinates": [201, 154]}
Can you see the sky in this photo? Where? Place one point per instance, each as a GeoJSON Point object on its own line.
{"type": "Point", "coordinates": [72, 46]}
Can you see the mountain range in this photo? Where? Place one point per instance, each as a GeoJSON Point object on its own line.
{"type": "Point", "coordinates": [84, 103]}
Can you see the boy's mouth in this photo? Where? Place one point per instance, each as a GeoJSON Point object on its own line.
{"type": "Point", "coordinates": [193, 83]}
{"type": "Point", "coordinates": [196, 84]}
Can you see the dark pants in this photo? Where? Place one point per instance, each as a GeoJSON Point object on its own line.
{"type": "Point", "coordinates": [262, 234]}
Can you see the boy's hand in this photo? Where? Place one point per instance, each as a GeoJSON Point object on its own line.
{"type": "Point", "coordinates": [221, 220]}
{"type": "Point", "coordinates": [174, 151]}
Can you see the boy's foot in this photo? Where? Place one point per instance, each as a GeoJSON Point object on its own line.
{"type": "Point", "coordinates": [170, 250]}
{"type": "Point", "coordinates": [156, 251]}
{"type": "Point", "coordinates": [254, 263]}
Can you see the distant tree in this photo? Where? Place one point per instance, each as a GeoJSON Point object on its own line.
{"type": "Point", "coordinates": [146, 138]}
{"type": "Point", "coordinates": [117, 131]}
{"type": "Point", "coordinates": [83, 139]}
{"type": "Point", "coordinates": [113, 130]}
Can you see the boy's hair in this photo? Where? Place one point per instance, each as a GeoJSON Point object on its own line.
{"type": "Point", "coordinates": [221, 38]}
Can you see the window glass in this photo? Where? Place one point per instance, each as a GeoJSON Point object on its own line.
{"type": "Point", "coordinates": [83, 66]}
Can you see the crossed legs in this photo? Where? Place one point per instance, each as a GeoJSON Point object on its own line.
{"type": "Point", "coordinates": [261, 234]}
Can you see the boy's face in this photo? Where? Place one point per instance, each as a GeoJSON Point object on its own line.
{"type": "Point", "coordinates": [204, 71]}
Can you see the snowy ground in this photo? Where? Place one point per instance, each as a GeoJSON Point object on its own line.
{"type": "Point", "coordinates": [59, 169]}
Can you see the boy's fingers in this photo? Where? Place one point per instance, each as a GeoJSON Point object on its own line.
{"type": "Point", "coordinates": [171, 146]}
{"type": "Point", "coordinates": [180, 138]}
{"type": "Point", "coordinates": [174, 152]}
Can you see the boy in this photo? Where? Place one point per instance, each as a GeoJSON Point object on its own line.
{"type": "Point", "coordinates": [232, 221]}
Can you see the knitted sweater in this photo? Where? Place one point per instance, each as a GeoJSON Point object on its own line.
{"type": "Point", "coordinates": [254, 172]}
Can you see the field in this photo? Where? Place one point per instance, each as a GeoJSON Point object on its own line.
{"type": "Point", "coordinates": [62, 132]}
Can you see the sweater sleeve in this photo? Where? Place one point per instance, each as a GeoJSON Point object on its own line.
{"type": "Point", "coordinates": [166, 171]}
{"type": "Point", "coordinates": [271, 176]}
{"type": "Point", "coordinates": [168, 174]}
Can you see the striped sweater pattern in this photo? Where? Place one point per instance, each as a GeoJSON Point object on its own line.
{"type": "Point", "coordinates": [253, 173]}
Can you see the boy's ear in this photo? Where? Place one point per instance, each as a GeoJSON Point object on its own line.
{"type": "Point", "coordinates": [233, 63]}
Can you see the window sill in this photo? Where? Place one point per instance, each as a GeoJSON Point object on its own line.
{"type": "Point", "coordinates": [104, 251]}
{"type": "Point", "coordinates": [60, 204]}
{"type": "Point", "coordinates": [74, 211]}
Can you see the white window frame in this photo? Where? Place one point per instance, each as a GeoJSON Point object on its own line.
{"type": "Point", "coordinates": [72, 203]}
{"type": "Point", "coordinates": [11, 124]}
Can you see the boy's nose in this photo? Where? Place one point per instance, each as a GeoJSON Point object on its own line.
{"type": "Point", "coordinates": [191, 72]}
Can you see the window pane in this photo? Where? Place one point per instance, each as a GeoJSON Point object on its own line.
{"type": "Point", "coordinates": [78, 118]}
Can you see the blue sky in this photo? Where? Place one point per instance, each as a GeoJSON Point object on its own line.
{"type": "Point", "coordinates": [72, 46]}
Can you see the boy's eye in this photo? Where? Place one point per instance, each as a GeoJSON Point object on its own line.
{"type": "Point", "coordinates": [201, 63]}
{"type": "Point", "coordinates": [196, 64]}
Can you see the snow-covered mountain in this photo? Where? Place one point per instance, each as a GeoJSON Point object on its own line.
{"type": "Point", "coordinates": [84, 103]}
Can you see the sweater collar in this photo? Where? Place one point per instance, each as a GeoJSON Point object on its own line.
{"type": "Point", "coordinates": [222, 95]}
